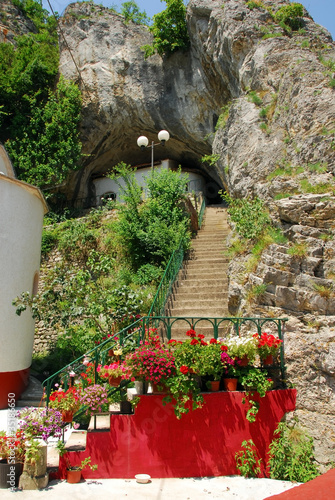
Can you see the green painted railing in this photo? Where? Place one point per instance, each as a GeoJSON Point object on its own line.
{"type": "Point", "coordinates": [201, 213]}
{"type": "Point", "coordinates": [165, 287]}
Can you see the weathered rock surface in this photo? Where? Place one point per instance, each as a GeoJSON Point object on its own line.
{"type": "Point", "coordinates": [278, 139]}
{"type": "Point", "coordinates": [281, 144]}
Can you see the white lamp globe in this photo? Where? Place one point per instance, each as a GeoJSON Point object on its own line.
{"type": "Point", "coordinates": [163, 136]}
{"type": "Point", "coordinates": [142, 141]}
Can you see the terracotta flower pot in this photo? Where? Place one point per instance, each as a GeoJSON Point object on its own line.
{"type": "Point", "coordinates": [214, 385]}
{"type": "Point", "coordinates": [114, 381]}
{"type": "Point", "coordinates": [268, 360]}
{"type": "Point", "coordinates": [244, 361]}
{"type": "Point", "coordinates": [67, 416]}
{"type": "Point", "coordinates": [230, 384]}
{"type": "Point", "coordinates": [73, 476]}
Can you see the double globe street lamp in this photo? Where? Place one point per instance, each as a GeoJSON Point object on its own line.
{"type": "Point", "coordinates": [143, 142]}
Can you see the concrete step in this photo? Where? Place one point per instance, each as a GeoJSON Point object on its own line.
{"type": "Point", "coordinates": [99, 422]}
{"type": "Point", "coordinates": [199, 312]}
{"type": "Point", "coordinates": [188, 302]}
{"type": "Point", "coordinates": [202, 275]}
{"type": "Point", "coordinates": [76, 441]}
{"type": "Point", "coordinates": [205, 284]}
{"type": "Point", "coordinates": [196, 294]}
{"type": "Point", "coordinates": [33, 395]}
{"type": "Point", "coordinates": [202, 265]}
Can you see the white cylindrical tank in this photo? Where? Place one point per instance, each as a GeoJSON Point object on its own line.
{"type": "Point", "coordinates": [22, 208]}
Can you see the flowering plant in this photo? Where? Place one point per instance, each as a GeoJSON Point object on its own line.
{"type": "Point", "coordinates": [267, 344]}
{"type": "Point", "coordinates": [12, 447]}
{"type": "Point", "coordinates": [68, 400]}
{"type": "Point", "coordinates": [231, 366]}
{"type": "Point", "coordinates": [150, 362]}
{"type": "Point", "coordinates": [187, 353]}
{"type": "Point", "coordinates": [94, 397]}
{"type": "Point", "coordinates": [116, 369]}
{"type": "Point", "coordinates": [209, 362]}
{"type": "Point", "coordinates": [239, 347]}
{"type": "Point", "coordinates": [40, 422]}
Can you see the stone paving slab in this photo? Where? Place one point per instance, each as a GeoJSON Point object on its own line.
{"type": "Point", "coordinates": [223, 488]}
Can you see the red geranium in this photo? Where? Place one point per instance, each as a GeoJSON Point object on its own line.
{"type": "Point", "coordinates": [191, 333]}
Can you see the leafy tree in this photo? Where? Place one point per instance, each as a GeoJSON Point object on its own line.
{"type": "Point", "coordinates": [39, 118]}
{"type": "Point", "coordinates": [169, 30]}
{"type": "Point", "coordinates": [131, 12]}
{"type": "Point", "coordinates": [46, 144]}
{"type": "Point", "coordinates": [150, 230]}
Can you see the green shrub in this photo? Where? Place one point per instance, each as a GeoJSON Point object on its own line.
{"type": "Point", "coordinates": [249, 216]}
{"type": "Point", "coordinates": [49, 240]}
{"type": "Point", "coordinates": [247, 461]}
{"type": "Point", "coordinates": [290, 16]}
{"type": "Point", "coordinates": [291, 454]}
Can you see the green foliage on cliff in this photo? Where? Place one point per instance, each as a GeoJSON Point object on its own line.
{"type": "Point", "coordinates": [39, 117]}
{"type": "Point", "coordinates": [169, 30]}
{"type": "Point", "coordinates": [131, 12]}
{"type": "Point", "coordinates": [290, 16]}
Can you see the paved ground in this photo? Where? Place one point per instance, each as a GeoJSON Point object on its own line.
{"type": "Point", "coordinates": [224, 488]}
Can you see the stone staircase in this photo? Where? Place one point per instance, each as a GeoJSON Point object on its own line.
{"type": "Point", "coordinates": [202, 286]}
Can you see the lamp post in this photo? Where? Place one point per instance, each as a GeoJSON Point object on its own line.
{"type": "Point", "coordinates": [143, 142]}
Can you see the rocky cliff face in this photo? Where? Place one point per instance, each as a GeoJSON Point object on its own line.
{"type": "Point", "coordinates": [262, 101]}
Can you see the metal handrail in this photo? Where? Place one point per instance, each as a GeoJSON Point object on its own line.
{"type": "Point", "coordinates": [201, 213]}
{"type": "Point", "coordinates": [167, 281]}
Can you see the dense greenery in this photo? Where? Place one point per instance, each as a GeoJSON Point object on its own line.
{"type": "Point", "coordinates": [39, 117]}
{"type": "Point", "coordinates": [291, 454]}
{"type": "Point", "coordinates": [111, 263]}
{"type": "Point", "coordinates": [169, 30]}
{"type": "Point", "coordinates": [150, 231]}
{"type": "Point", "coordinates": [248, 215]}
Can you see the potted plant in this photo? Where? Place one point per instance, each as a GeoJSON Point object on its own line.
{"type": "Point", "coordinates": [184, 386]}
{"type": "Point", "coordinates": [267, 346]}
{"type": "Point", "coordinates": [12, 454]}
{"type": "Point", "coordinates": [231, 369]}
{"type": "Point", "coordinates": [254, 380]}
{"type": "Point", "coordinates": [67, 402]}
{"type": "Point", "coordinates": [243, 347]}
{"type": "Point", "coordinates": [209, 364]}
{"type": "Point", "coordinates": [94, 398]}
{"type": "Point", "coordinates": [37, 426]}
{"type": "Point", "coordinates": [73, 472]}
{"type": "Point", "coordinates": [150, 362]}
{"type": "Point", "coordinates": [40, 423]}
{"type": "Point", "coordinates": [113, 372]}
{"type": "Point", "coordinates": [183, 391]}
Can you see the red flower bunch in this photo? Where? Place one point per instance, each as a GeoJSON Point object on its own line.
{"type": "Point", "coordinates": [191, 333]}
{"type": "Point", "coordinates": [151, 362]}
{"type": "Point", "coordinates": [65, 400]}
{"type": "Point", "coordinates": [267, 344]}
{"type": "Point", "coordinates": [12, 447]}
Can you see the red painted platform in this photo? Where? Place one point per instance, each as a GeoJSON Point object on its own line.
{"type": "Point", "coordinates": [202, 443]}
{"type": "Point", "coordinates": [320, 488]}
